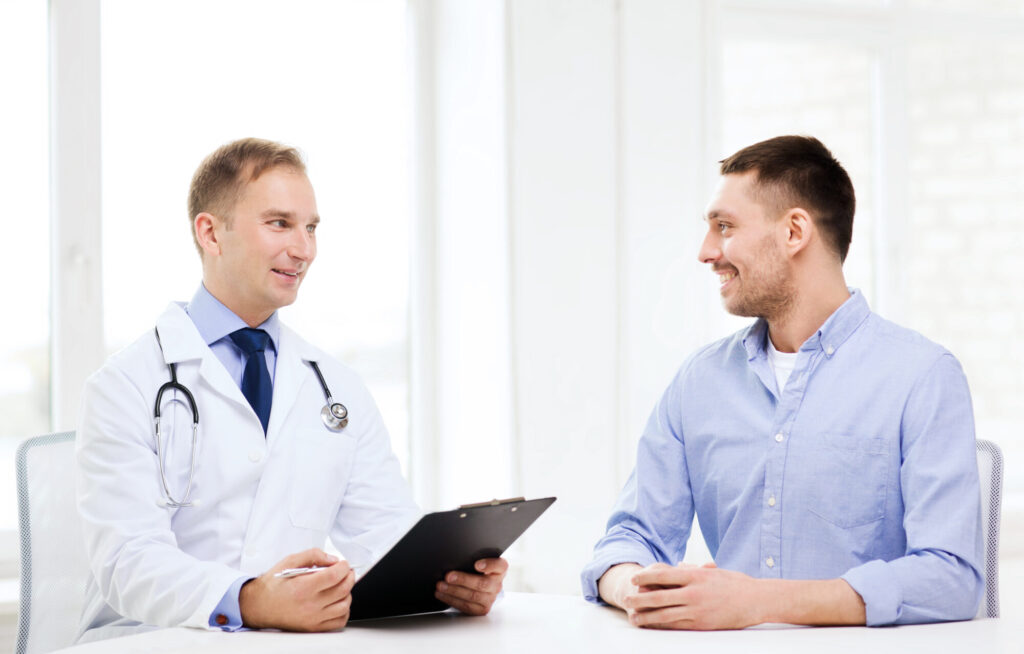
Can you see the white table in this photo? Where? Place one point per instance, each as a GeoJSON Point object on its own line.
{"type": "Point", "coordinates": [535, 624]}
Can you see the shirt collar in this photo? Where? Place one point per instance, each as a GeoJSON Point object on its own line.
{"type": "Point", "coordinates": [215, 321]}
{"type": "Point", "coordinates": [830, 336]}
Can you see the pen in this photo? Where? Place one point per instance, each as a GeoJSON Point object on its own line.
{"type": "Point", "coordinates": [294, 572]}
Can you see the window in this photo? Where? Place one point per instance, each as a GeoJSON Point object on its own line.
{"type": "Point", "coordinates": [965, 233]}
{"type": "Point", "coordinates": [329, 78]}
{"type": "Point", "coordinates": [925, 114]}
{"type": "Point", "coordinates": [25, 343]}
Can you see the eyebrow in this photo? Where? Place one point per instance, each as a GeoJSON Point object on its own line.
{"type": "Point", "coordinates": [280, 213]}
{"type": "Point", "coordinates": [715, 215]}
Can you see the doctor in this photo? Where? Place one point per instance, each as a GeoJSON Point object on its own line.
{"type": "Point", "coordinates": [197, 540]}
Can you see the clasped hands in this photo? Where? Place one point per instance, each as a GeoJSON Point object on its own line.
{"type": "Point", "coordinates": [685, 596]}
{"type": "Point", "coordinates": [321, 601]}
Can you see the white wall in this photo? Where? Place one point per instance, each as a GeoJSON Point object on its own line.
{"type": "Point", "coordinates": [565, 258]}
{"type": "Point", "coordinates": [601, 108]}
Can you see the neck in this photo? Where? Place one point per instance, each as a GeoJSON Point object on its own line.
{"type": "Point", "coordinates": [817, 297]}
{"type": "Point", "coordinates": [224, 295]}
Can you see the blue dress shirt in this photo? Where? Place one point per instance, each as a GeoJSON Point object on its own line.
{"type": "Point", "coordinates": [863, 467]}
{"type": "Point", "coordinates": [215, 323]}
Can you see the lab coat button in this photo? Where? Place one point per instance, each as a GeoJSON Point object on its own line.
{"type": "Point", "coordinates": [255, 456]}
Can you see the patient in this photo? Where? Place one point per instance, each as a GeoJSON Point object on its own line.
{"type": "Point", "coordinates": [827, 453]}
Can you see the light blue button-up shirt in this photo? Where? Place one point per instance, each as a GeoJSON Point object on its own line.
{"type": "Point", "coordinates": [215, 323]}
{"type": "Point", "coordinates": [863, 467]}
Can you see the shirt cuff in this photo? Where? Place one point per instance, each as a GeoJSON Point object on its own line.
{"type": "Point", "coordinates": [594, 570]}
{"type": "Point", "coordinates": [227, 615]}
{"type": "Point", "coordinates": [879, 589]}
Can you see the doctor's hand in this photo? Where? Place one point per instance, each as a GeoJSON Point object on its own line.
{"type": "Point", "coordinates": [318, 601]}
{"type": "Point", "coordinates": [473, 594]}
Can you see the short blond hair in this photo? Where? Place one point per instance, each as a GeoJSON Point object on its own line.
{"type": "Point", "coordinates": [219, 181]}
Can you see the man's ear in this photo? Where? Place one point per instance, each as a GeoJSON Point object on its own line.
{"type": "Point", "coordinates": [206, 225]}
{"type": "Point", "coordinates": [799, 230]}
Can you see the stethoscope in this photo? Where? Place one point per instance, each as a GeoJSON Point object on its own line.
{"type": "Point", "coordinates": [334, 416]}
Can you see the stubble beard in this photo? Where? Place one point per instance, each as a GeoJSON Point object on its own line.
{"type": "Point", "coordinates": [766, 290]}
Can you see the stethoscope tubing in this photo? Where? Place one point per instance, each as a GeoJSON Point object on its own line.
{"type": "Point", "coordinates": [334, 416]}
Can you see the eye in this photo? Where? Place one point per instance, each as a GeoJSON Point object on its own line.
{"type": "Point", "coordinates": [279, 222]}
{"type": "Point", "coordinates": [311, 228]}
{"type": "Point", "coordinates": [722, 227]}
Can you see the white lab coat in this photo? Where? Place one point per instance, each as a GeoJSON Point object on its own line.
{"type": "Point", "coordinates": [257, 498]}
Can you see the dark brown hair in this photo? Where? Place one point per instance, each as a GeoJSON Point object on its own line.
{"type": "Point", "coordinates": [799, 171]}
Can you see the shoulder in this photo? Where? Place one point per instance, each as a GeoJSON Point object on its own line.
{"type": "Point", "coordinates": [718, 355]}
{"type": "Point", "coordinates": [142, 361]}
{"type": "Point", "coordinates": [132, 363]}
{"type": "Point", "coordinates": [905, 349]}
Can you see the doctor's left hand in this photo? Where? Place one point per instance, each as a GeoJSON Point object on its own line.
{"type": "Point", "coordinates": [473, 594]}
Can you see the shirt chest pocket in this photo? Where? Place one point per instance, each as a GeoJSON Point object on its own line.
{"type": "Point", "coordinates": [320, 470]}
{"type": "Point", "coordinates": [852, 479]}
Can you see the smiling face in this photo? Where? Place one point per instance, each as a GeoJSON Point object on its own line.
{"type": "Point", "coordinates": [743, 245]}
{"type": "Point", "coordinates": [255, 262]}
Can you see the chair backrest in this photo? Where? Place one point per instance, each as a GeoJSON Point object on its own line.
{"type": "Point", "coordinates": [54, 569]}
{"type": "Point", "coordinates": [990, 474]}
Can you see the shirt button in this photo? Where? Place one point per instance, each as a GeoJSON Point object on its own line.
{"type": "Point", "coordinates": [770, 562]}
{"type": "Point", "coordinates": [830, 350]}
{"type": "Point", "coordinates": [779, 438]}
{"type": "Point", "coordinates": [255, 456]}
{"type": "Point", "coordinates": [771, 501]}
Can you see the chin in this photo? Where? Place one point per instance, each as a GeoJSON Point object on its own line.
{"type": "Point", "coordinates": [737, 308]}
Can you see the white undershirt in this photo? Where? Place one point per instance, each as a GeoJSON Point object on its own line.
{"type": "Point", "coordinates": [782, 364]}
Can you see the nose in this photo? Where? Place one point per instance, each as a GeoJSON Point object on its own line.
{"type": "Point", "coordinates": [710, 250]}
{"type": "Point", "coordinates": [302, 246]}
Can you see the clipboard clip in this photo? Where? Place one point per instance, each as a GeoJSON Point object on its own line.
{"type": "Point", "coordinates": [495, 502]}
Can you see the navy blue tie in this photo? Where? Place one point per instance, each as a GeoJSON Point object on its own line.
{"type": "Point", "coordinates": [256, 385]}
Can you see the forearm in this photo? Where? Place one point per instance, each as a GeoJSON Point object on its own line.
{"type": "Point", "coordinates": [808, 602]}
{"type": "Point", "coordinates": [612, 583]}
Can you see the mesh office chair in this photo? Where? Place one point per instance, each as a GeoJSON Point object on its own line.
{"type": "Point", "coordinates": [990, 473]}
{"type": "Point", "coordinates": [54, 569]}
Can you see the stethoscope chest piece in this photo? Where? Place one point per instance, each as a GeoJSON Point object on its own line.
{"type": "Point", "coordinates": [335, 416]}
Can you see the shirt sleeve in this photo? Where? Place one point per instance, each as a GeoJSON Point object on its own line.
{"type": "Point", "coordinates": [939, 578]}
{"type": "Point", "coordinates": [227, 615]}
{"type": "Point", "coordinates": [654, 512]}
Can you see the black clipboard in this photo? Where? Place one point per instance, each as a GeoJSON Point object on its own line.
{"type": "Point", "coordinates": [404, 580]}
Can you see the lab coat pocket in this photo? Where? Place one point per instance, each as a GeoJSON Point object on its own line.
{"type": "Point", "coordinates": [853, 471]}
{"type": "Point", "coordinates": [321, 466]}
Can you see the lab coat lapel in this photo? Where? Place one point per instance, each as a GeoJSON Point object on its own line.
{"type": "Point", "coordinates": [181, 342]}
{"type": "Point", "coordinates": [291, 374]}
